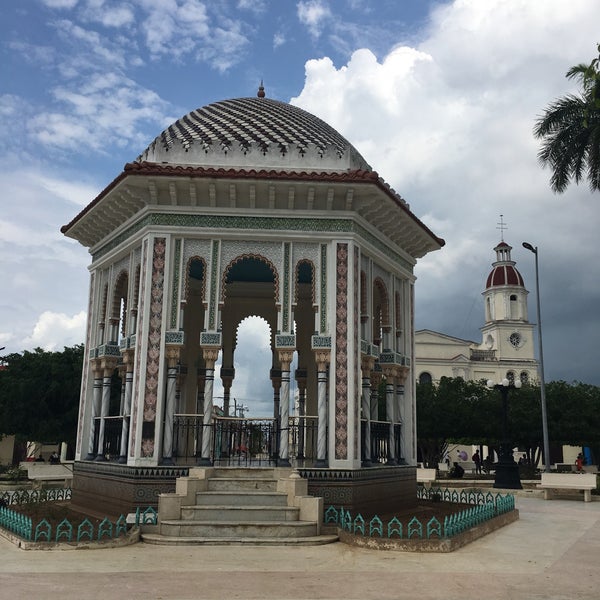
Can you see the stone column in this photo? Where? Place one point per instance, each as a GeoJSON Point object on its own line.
{"type": "Point", "coordinates": [390, 401]}
{"type": "Point", "coordinates": [367, 365]}
{"type": "Point", "coordinates": [401, 420]}
{"type": "Point", "coordinates": [173, 353]}
{"type": "Point", "coordinates": [210, 356]}
{"type": "Point", "coordinates": [96, 406]}
{"type": "Point", "coordinates": [285, 359]}
{"type": "Point", "coordinates": [276, 383]}
{"type": "Point", "coordinates": [126, 413]}
{"type": "Point", "coordinates": [322, 358]}
{"type": "Point", "coordinates": [108, 367]}
{"type": "Point", "coordinates": [301, 381]}
{"type": "Point", "coordinates": [375, 381]}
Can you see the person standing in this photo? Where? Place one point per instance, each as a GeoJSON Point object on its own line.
{"type": "Point", "coordinates": [477, 460]}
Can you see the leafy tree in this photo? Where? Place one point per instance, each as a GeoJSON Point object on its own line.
{"type": "Point", "coordinates": [39, 394]}
{"type": "Point", "coordinates": [570, 131]}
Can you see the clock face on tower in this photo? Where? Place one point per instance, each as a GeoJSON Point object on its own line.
{"type": "Point", "coordinates": [515, 339]}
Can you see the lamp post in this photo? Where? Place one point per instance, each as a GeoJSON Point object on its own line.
{"type": "Point", "coordinates": [507, 470]}
{"type": "Point", "coordinates": [533, 249]}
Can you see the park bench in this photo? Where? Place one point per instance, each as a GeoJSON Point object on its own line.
{"type": "Point", "coordinates": [40, 473]}
{"type": "Point", "coordinates": [426, 477]}
{"type": "Point", "coordinates": [568, 481]}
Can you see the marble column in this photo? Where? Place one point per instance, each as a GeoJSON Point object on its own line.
{"type": "Point", "coordinates": [390, 401]}
{"type": "Point", "coordinates": [276, 383]}
{"type": "Point", "coordinates": [128, 356]}
{"type": "Point", "coordinates": [96, 406]}
{"type": "Point", "coordinates": [210, 356]}
{"type": "Point", "coordinates": [285, 359]}
{"type": "Point", "coordinates": [367, 365]}
{"type": "Point", "coordinates": [322, 358]}
{"type": "Point", "coordinates": [108, 367]}
{"type": "Point", "coordinates": [173, 353]}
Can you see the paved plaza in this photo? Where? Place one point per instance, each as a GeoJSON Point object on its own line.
{"type": "Point", "coordinates": [551, 553]}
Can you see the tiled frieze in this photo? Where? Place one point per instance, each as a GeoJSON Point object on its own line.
{"type": "Point", "coordinates": [210, 223]}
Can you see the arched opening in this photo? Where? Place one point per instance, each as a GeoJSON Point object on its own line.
{"type": "Point", "coordinates": [425, 378]}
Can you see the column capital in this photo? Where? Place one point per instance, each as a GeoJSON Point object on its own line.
{"type": "Point", "coordinates": [285, 358]}
{"type": "Point", "coordinates": [367, 364]}
{"type": "Point", "coordinates": [322, 358]}
{"type": "Point", "coordinates": [210, 356]}
{"type": "Point", "coordinates": [173, 353]}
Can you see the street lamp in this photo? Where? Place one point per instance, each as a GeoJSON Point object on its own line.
{"type": "Point", "coordinates": [533, 249]}
{"type": "Point", "coordinates": [507, 470]}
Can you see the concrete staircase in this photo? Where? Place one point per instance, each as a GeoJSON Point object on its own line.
{"type": "Point", "coordinates": [220, 506]}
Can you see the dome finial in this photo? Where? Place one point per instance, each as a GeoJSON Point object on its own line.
{"type": "Point", "coordinates": [261, 90]}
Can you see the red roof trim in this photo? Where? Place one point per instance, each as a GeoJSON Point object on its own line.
{"type": "Point", "coordinates": [159, 170]}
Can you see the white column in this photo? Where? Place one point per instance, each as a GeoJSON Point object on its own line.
{"type": "Point", "coordinates": [322, 362]}
{"type": "Point", "coordinates": [126, 415]}
{"type": "Point", "coordinates": [210, 357]}
{"type": "Point", "coordinates": [389, 410]}
{"type": "Point", "coordinates": [108, 368]}
{"type": "Point", "coordinates": [285, 359]}
{"type": "Point", "coordinates": [96, 405]}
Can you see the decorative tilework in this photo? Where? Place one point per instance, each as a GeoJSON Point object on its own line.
{"type": "Point", "coordinates": [320, 341]}
{"type": "Point", "coordinates": [285, 341]}
{"type": "Point", "coordinates": [138, 350]}
{"type": "Point", "coordinates": [323, 310]}
{"type": "Point", "coordinates": [258, 223]}
{"type": "Point", "coordinates": [208, 338]}
{"type": "Point", "coordinates": [341, 353]}
{"type": "Point", "coordinates": [286, 287]}
{"type": "Point", "coordinates": [174, 337]}
{"type": "Point", "coordinates": [175, 290]}
{"type": "Point", "coordinates": [214, 263]}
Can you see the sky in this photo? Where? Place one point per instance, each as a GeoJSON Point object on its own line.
{"type": "Point", "coordinates": [440, 97]}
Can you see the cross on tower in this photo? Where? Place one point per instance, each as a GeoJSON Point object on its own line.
{"type": "Point", "coordinates": [502, 226]}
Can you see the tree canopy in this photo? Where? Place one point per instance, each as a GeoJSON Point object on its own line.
{"type": "Point", "coordinates": [468, 412]}
{"type": "Point", "coordinates": [39, 394]}
{"type": "Point", "coordinates": [570, 131]}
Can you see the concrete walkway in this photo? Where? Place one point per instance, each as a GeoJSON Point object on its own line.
{"type": "Point", "coordinates": [551, 553]}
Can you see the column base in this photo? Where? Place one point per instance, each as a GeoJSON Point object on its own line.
{"type": "Point", "coordinates": [90, 456]}
{"type": "Point", "coordinates": [321, 464]}
{"type": "Point", "coordinates": [204, 462]}
{"type": "Point", "coordinates": [122, 460]}
{"type": "Point", "coordinates": [367, 463]}
{"type": "Point", "coordinates": [167, 461]}
{"type": "Point", "coordinates": [283, 462]}
{"type": "Point", "coordinates": [100, 458]}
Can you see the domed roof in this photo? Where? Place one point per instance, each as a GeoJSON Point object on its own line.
{"type": "Point", "coordinates": [254, 132]}
{"type": "Point", "coordinates": [504, 271]}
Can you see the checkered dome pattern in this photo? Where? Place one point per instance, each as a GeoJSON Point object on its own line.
{"type": "Point", "coordinates": [262, 124]}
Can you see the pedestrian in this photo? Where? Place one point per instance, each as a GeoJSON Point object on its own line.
{"type": "Point", "coordinates": [477, 460]}
{"type": "Point", "coordinates": [579, 462]}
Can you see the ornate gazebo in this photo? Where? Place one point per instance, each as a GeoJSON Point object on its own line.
{"type": "Point", "coordinates": [248, 207]}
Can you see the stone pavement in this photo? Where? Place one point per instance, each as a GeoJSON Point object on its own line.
{"type": "Point", "coordinates": [551, 553]}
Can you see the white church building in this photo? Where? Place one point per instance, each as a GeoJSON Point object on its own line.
{"type": "Point", "coordinates": [506, 350]}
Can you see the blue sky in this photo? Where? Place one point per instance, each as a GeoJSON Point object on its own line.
{"type": "Point", "coordinates": [440, 98]}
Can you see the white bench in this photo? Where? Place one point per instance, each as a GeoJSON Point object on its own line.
{"type": "Point", "coordinates": [40, 473]}
{"type": "Point", "coordinates": [568, 481]}
{"type": "Point", "coordinates": [426, 477]}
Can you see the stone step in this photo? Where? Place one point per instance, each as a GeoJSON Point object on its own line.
{"type": "Point", "coordinates": [245, 529]}
{"type": "Point", "coordinates": [245, 473]}
{"type": "Point", "coordinates": [241, 498]}
{"type": "Point", "coordinates": [317, 540]}
{"type": "Point", "coordinates": [227, 484]}
{"type": "Point", "coordinates": [234, 513]}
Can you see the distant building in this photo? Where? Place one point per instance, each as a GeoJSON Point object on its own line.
{"type": "Point", "coordinates": [507, 346]}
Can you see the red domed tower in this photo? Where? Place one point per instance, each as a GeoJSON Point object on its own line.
{"type": "Point", "coordinates": [507, 329]}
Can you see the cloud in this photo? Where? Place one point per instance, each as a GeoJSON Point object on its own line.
{"type": "Point", "coordinates": [53, 326]}
{"type": "Point", "coordinates": [60, 4]}
{"type": "Point", "coordinates": [448, 123]}
{"type": "Point", "coordinates": [313, 14]}
{"type": "Point", "coordinates": [278, 39]}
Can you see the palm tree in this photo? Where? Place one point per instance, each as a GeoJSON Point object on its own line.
{"type": "Point", "coordinates": [570, 131]}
